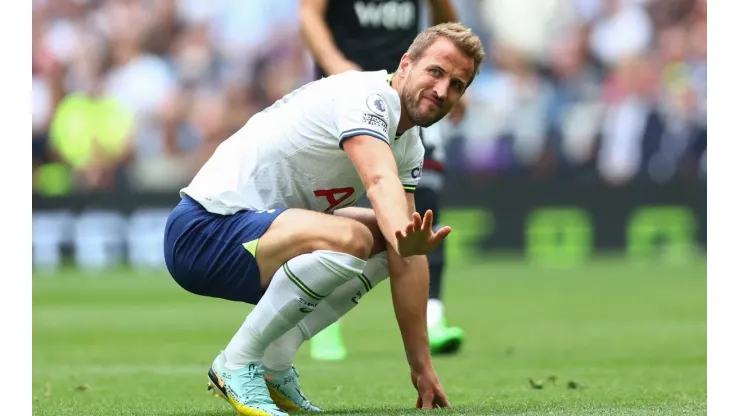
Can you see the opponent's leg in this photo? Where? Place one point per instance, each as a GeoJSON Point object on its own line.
{"type": "Point", "coordinates": [328, 345]}
{"type": "Point", "coordinates": [442, 338]}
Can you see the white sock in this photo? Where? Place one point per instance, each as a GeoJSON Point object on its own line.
{"type": "Point", "coordinates": [281, 353]}
{"type": "Point", "coordinates": [435, 312]}
{"type": "Point", "coordinates": [295, 290]}
{"type": "Point", "coordinates": [346, 296]}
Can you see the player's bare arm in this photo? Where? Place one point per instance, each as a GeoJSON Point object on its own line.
{"type": "Point", "coordinates": [409, 278]}
{"type": "Point", "coordinates": [376, 166]}
{"type": "Point", "coordinates": [319, 40]}
{"type": "Point", "coordinates": [408, 241]}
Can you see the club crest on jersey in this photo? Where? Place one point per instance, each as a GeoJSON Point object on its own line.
{"type": "Point", "coordinates": [376, 104]}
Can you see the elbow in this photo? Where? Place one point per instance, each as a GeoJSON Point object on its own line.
{"type": "Point", "coordinates": [303, 24]}
{"type": "Point", "coordinates": [306, 16]}
{"type": "Point", "coordinates": [372, 189]}
{"type": "Point", "coordinates": [375, 180]}
{"type": "Point", "coordinates": [304, 19]}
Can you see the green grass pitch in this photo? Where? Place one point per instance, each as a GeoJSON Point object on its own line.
{"type": "Point", "coordinates": [608, 338]}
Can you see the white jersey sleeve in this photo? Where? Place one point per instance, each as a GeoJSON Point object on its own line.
{"type": "Point", "coordinates": [361, 112]}
{"type": "Point", "coordinates": [410, 165]}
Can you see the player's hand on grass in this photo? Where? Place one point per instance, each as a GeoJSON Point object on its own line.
{"type": "Point", "coordinates": [431, 395]}
{"type": "Point", "coordinates": [418, 237]}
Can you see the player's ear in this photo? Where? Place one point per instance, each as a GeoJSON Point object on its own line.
{"type": "Point", "coordinates": [405, 65]}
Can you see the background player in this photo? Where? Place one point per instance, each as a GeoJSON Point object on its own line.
{"type": "Point", "coordinates": [372, 35]}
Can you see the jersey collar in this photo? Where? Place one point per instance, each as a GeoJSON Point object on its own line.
{"type": "Point", "coordinates": [390, 81]}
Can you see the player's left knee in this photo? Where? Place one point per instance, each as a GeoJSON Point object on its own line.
{"type": "Point", "coordinates": [366, 217]}
{"type": "Point", "coordinates": [358, 240]}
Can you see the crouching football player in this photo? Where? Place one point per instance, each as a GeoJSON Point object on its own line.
{"type": "Point", "coordinates": [265, 221]}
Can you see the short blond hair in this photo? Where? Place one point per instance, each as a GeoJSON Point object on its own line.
{"type": "Point", "coordinates": [460, 35]}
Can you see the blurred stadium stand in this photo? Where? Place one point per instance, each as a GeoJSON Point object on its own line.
{"type": "Point", "coordinates": [586, 129]}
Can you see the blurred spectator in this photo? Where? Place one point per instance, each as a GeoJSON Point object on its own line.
{"type": "Point", "coordinates": [515, 103]}
{"type": "Point", "coordinates": [527, 26]}
{"type": "Point", "coordinates": [628, 108]}
{"type": "Point", "coordinates": [138, 93]}
{"type": "Point", "coordinates": [578, 109]}
{"type": "Point", "coordinates": [622, 31]}
{"type": "Point", "coordinates": [92, 130]}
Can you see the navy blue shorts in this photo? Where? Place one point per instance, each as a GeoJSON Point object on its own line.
{"type": "Point", "coordinates": [213, 255]}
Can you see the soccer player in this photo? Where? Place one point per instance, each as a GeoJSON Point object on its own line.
{"type": "Point", "coordinates": [267, 220]}
{"type": "Point", "coordinates": [372, 35]}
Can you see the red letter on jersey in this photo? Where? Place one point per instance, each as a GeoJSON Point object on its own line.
{"type": "Point", "coordinates": [331, 196]}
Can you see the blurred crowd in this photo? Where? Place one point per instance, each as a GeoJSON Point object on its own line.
{"type": "Point", "coordinates": [136, 94]}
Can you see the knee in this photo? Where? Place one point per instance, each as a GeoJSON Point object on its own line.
{"type": "Point", "coordinates": [366, 217]}
{"type": "Point", "coordinates": [354, 238]}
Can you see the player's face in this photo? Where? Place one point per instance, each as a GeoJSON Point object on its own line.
{"type": "Point", "coordinates": [435, 82]}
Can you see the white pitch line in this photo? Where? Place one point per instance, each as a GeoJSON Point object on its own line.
{"type": "Point", "coordinates": [117, 370]}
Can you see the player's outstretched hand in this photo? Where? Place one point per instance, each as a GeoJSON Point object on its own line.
{"type": "Point", "coordinates": [431, 395]}
{"type": "Point", "coordinates": [418, 237]}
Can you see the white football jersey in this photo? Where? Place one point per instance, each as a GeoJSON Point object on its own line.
{"type": "Point", "coordinates": [290, 154]}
